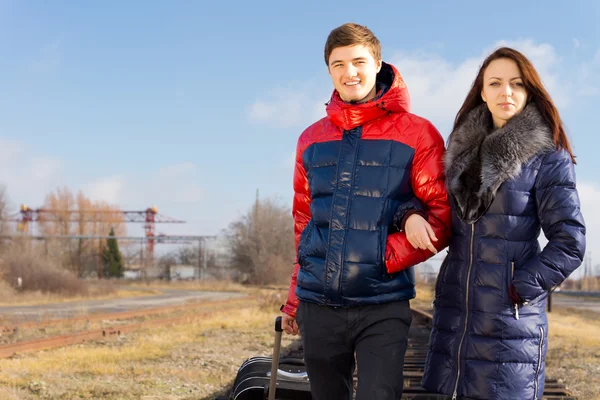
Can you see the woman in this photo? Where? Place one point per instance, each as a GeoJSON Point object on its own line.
{"type": "Point", "coordinates": [509, 172]}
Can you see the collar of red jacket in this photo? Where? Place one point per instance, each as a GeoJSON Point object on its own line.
{"type": "Point", "coordinates": [394, 100]}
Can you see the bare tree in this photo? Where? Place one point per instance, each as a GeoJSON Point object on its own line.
{"type": "Point", "coordinates": [3, 209]}
{"type": "Point", "coordinates": [4, 226]}
{"type": "Point", "coordinates": [187, 255]}
{"type": "Point", "coordinates": [93, 219]}
{"type": "Point", "coordinates": [261, 243]}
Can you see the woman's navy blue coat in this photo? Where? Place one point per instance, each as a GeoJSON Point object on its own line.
{"type": "Point", "coordinates": [504, 186]}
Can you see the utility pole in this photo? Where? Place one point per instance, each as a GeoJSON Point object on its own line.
{"type": "Point", "coordinates": [200, 260]}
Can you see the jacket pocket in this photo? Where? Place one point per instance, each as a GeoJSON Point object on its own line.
{"type": "Point", "coordinates": [510, 275]}
{"type": "Point", "coordinates": [304, 241]}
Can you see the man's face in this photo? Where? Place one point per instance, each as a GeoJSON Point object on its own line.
{"type": "Point", "coordinates": [353, 71]}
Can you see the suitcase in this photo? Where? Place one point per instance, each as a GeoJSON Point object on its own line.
{"type": "Point", "coordinates": [272, 378]}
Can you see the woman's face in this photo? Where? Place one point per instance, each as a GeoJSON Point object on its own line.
{"type": "Point", "coordinates": [503, 90]}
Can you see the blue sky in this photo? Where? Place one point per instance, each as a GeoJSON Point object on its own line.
{"type": "Point", "coordinates": [194, 105]}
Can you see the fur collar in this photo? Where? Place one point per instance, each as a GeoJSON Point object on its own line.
{"type": "Point", "coordinates": [479, 160]}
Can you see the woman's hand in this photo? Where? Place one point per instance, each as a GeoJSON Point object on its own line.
{"type": "Point", "coordinates": [419, 233]}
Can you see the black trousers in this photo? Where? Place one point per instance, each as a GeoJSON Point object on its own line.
{"type": "Point", "coordinates": [377, 334]}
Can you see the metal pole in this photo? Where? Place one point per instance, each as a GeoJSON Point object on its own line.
{"type": "Point", "coordinates": [204, 260]}
{"type": "Point", "coordinates": [99, 258]}
{"type": "Point", "coordinates": [199, 259]}
{"type": "Point", "coordinates": [142, 262]}
{"type": "Point", "coordinates": [275, 363]}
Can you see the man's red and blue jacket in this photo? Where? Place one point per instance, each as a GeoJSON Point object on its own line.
{"type": "Point", "coordinates": [355, 170]}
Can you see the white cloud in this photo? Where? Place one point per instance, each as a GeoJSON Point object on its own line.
{"type": "Point", "coordinates": [27, 177]}
{"type": "Point", "coordinates": [43, 168]}
{"type": "Point", "coordinates": [10, 150]}
{"type": "Point", "coordinates": [289, 107]}
{"type": "Point", "coordinates": [437, 87]}
{"type": "Point", "coordinates": [172, 184]}
{"type": "Point", "coordinates": [105, 189]}
{"type": "Point", "coordinates": [588, 73]}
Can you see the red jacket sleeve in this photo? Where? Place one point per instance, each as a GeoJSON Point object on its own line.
{"type": "Point", "coordinates": [428, 184]}
{"type": "Point", "coordinates": [302, 215]}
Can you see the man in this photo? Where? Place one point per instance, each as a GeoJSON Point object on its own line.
{"type": "Point", "coordinates": [369, 204]}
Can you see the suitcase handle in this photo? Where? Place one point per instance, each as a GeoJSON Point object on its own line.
{"type": "Point", "coordinates": [275, 361]}
{"type": "Point", "coordinates": [292, 376]}
{"type": "Point", "coordinates": [295, 361]}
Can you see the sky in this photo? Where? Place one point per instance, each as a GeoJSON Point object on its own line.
{"type": "Point", "coordinates": [193, 106]}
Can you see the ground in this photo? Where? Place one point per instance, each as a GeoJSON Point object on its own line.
{"type": "Point", "coordinates": [199, 360]}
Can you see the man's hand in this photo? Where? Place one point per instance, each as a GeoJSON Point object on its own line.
{"type": "Point", "coordinates": [419, 233]}
{"type": "Point", "coordinates": [289, 325]}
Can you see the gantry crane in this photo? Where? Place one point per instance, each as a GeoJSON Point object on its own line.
{"type": "Point", "coordinates": [149, 217]}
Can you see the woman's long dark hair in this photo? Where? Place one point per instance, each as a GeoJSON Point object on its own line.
{"type": "Point", "coordinates": [536, 93]}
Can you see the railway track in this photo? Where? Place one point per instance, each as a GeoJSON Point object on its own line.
{"type": "Point", "coordinates": [414, 365]}
{"type": "Point", "coordinates": [9, 350]}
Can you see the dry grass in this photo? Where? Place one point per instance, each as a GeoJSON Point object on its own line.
{"type": "Point", "coordinates": [200, 359]}
{"type": "Point", "coordinates": [424, 297]}
{"type": "Point", "coordinates": [218, 286]}
{"type": "Point", "coordinates": [29, 271]}
{"type": "Point", "coordinates": [574, 351]}
{"type": "Point", "coordinates": [181, 362]}
{"type": "Point", "coordinates": [63, 327]}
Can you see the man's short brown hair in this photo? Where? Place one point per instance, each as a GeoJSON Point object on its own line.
{"type": "Point", "coordinates": [351, 34]}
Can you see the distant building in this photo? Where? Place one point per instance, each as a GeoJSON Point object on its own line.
{"type": "Point", "coordinates": [138, 271]}
{"type": "Point", "coordinates": [179, 272]}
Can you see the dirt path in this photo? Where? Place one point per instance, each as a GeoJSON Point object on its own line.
{"type": "Point", "coordinates": [169, 297]}
{"type": "Point", "coordinates": [590, 304]}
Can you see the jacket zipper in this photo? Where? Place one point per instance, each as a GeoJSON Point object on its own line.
{"type": "Point", "coordinates": [348, 205]}
{"type": "Point", "coordinates": [466, 313]}
{"type": "Point", "coordinates": [512, 274]}
{"type": "Point", "coordinates": [539, 365]}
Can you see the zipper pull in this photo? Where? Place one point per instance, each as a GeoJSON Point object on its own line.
{"type": "Point", "coordinates": [516, 311]}
{"type": "Point", "coordinates": [454, 396]}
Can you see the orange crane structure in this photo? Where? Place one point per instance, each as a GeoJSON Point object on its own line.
{"type": "Point", "coordinates": [149, 217]}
